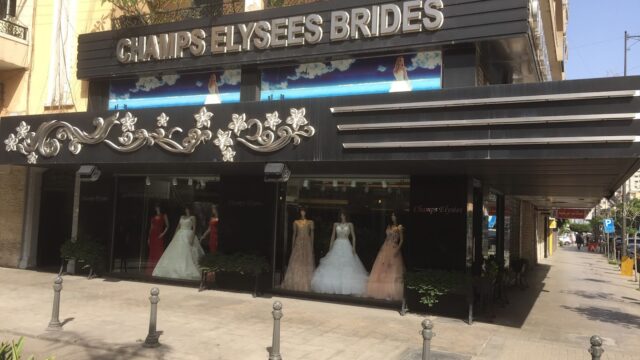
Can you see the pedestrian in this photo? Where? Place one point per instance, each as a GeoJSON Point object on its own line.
{"type": "Point", "coordinates": [579, 240]}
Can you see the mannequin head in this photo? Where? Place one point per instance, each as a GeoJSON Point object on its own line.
{"type": "Point", "coordinates": [393, 218]}
{"type": "Point", "coordinates": [303, 212]}
{"type": "Point", "coordinates": [157, 209]}
{"type": "Point", "coordinates": [214, 211]}
{"type": "Point", "coordinates": [344, 217]}
{"type": "Point", "coordinates": [187, 210]}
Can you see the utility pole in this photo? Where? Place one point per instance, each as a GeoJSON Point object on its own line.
{"type": "Point", "coordinates": [628, 37]}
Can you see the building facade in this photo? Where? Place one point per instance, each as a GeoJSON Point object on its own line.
{"type": "Point", "coordinates": [38, 39]}
{"type": "Point", "coordinates": [449, 118]}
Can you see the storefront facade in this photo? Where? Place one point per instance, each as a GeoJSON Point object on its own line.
{"type": "Point", "coordinates": [422, 114]}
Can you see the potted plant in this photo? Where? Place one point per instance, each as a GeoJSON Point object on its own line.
{"type": "Point", "coordinates": [86, 251]}
{"type": "Point", "coordinates": [242, 264]}
{"type": "Point", "coordinates": [431, 285]}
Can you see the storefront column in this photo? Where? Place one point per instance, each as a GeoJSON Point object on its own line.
{"type": "Point", "coordinates": [500, 230]}
{"type": "Point", "coordinates": [32, 218]}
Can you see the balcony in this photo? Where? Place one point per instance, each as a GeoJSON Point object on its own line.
{"type": "Point", "coordinates": [14, 45]}
{"type": "Point", "coordinates": [212, 9]}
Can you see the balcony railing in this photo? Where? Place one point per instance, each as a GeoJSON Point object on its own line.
{"type": "Point", "coordinates": [215, 8]}
{"type": "Point", "coordinates": [15, 30]}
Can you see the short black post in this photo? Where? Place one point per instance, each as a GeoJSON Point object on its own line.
{"type": "Point", "coordinates": [427, 335]}
{"type": "Point", "coordinates": [55, 323]}
{"type": "Point", "coordinates": [153, 336]}
{"type": "Point", "coordinates": [274, 354]}
{"type": "Point", "coordinates": [596, 349]}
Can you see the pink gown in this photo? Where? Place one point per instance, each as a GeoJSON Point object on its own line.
{"type": "Point", "coordinates": [301, 262]}
{"type": "Point", "coordinates": [386, 280]}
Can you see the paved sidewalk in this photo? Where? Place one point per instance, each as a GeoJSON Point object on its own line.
{"type": "Point", "coordinates": [581, 295]}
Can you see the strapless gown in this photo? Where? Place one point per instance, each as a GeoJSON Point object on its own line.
{"type": "Point", "coordinates": [180, 259]}
{"type": "Point", "coordinates": [387, 274]}
{"type": "Point", "coordinates": [340, 271]}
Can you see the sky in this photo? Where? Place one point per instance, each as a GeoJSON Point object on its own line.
{"type": "Point", "coordinates": [596, 38]}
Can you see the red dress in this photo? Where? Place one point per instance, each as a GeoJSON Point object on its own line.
{"type": "Point", "coordinates": [213, 235]}
{"type": "Point", "coordinates": [156, 242]}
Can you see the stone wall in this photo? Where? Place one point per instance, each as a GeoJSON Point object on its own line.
{"type": "Point", "coordinates": [12, 188]}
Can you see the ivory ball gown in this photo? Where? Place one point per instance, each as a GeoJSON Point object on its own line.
{"type": "Point", "coordinates": [180, 259]}
{"type": "Point", "coordinates": [340, 271]}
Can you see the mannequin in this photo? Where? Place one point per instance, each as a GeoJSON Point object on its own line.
{"type": "Point", "coordinates": [158, 228]}
{"type": "Point", "coordinates": [180, 259]}
{"type": "Point", "coordinates": [341, 271]}
{"type": "Point", "coordinates": [212, 231]}
{"type": "Point", "coordinates": [301, 261]}
{"type": "Point", "coordinates": [387, 274]}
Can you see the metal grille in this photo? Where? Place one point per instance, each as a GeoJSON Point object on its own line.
{"type": "Point", "coordinates": [15, 30]}
{"type": "Point", "coordinates": [216, 8]}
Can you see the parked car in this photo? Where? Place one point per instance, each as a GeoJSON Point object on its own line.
{"type": "Point", "coordinates": [565, 240]}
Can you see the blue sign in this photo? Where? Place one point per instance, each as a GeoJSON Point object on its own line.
{"type": "Point", "coordinates": [609, 228]}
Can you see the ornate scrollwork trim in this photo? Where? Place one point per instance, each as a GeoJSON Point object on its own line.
{"type": "Point", "coordinates": [267, 136]}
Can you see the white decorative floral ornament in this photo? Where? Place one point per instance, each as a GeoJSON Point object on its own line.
{"type": "Point", "coordinates": [269, 136]}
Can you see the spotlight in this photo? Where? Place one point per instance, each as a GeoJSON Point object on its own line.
{"type": "Point", "coordinates": [147, 181]}
{"type": "Point", "coordinates": [384, 184]}
{"type": "Point", "coordinates": [190, 182]}
{"type": "Point", "coordinates": [203, 184]}
{"type": "Point", "coordinates": [335, 183]}
{"type": "Point", "coordinates": [305, 184]}
{"type": "Point", "coordinates": [353, 183]}
{"type": "Point", "coordinates": [174, 182]}
{"type": "Point", "coordinates": [366, 188]}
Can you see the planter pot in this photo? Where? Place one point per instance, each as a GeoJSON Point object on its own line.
{"type": "Point", "coordinates": [242, 282]}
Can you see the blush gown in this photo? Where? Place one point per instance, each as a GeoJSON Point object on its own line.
{"type": "Point", "coordinates": [180, 259]}
{"type": "Point", "coordinates": [213, 235]}
{"type": "Point", "coordinates": [387, 274]}
{"type": "Point", "coordinates": [156, 242]}
{"type": "Point", "coordinates": [301, 263]}
{"type": "Point", "coordinates": [340, 271]}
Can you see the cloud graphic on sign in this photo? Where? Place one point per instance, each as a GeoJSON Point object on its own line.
{"type": "Point", "coordinates": [199, 83]}
{"type": "Point", "coordinates": [275, 86]}
{"type": "Point", "coordinates": [425, 60]}
{"type": "Point", "coordinates": [148, 83]}
{"type": "Point", "coordinates": [230, 77]}
{"type": "Point", "coordinates": [382, 68]}
{"type": "Point", "coordinates": [314, 70]}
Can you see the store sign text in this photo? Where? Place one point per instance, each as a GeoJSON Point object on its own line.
{"type": "Point", "coordinates": [357, 23]}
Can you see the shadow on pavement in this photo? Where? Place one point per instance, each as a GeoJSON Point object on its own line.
{"type": "Point", "coordinates": [519, 302]}
{"type": "Point", "coordinates": [99, 350]}
{"type": "Point", "coordinates": [613, 316]}
{"type": "Point", "coordinates": [595, 295]}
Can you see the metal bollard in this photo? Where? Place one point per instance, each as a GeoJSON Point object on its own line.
{"type": "Point", "coordinates": [274, 354]}
{"type": "Point", "coordinates": [596, 349]}
{"type": "Point", "coordinates": [153, 336]}
{"type": "Point", "coordinates": [427, 335]}
{"type": "Point", "coordinates": [55, 323]}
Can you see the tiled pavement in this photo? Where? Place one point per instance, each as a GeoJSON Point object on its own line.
{"type": "Point", "coordinates": [578, 296]}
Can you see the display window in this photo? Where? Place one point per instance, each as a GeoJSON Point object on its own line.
{"type": "Point", "coordinates": [344, 236]}
{"type": "Point", "coordinates": [163, 225]}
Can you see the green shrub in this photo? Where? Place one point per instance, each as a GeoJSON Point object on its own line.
{"type": "Point", "coordinates": [87, 251]}
{"type": "Point", "coordinates": [13, 350]}
{"type": "Point", "coordinates": [240, 263]}
{"type": "Point", "coordinates": [433, 284]}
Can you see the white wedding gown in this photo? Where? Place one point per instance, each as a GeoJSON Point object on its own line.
{"type": "Point", "coordinates": [340, 271]}
{"type": "Point", "coordinates": [180, 259]}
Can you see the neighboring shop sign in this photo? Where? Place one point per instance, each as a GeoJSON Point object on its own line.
{"type": "Point", "coordinates": [300, 30]}
{"type": "Point", "coordinates": [609, 227]}
{"type": "Point", "coordinates": [570, 213]}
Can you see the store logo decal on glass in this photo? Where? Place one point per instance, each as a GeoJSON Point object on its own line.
{"type": "Point", "coordinates": [269, 136]}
